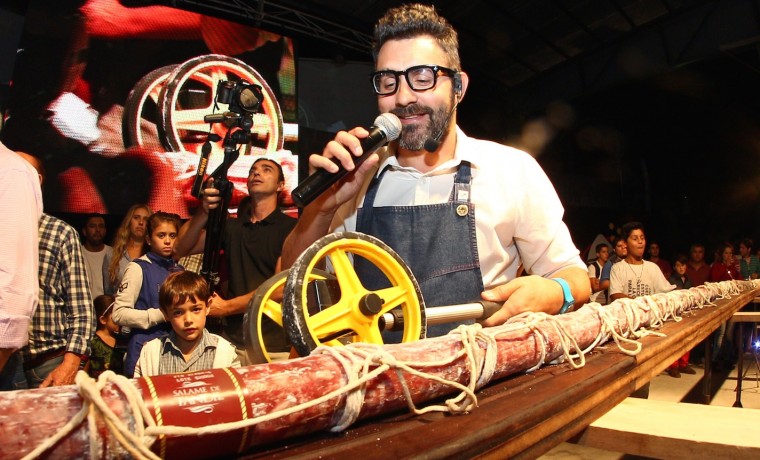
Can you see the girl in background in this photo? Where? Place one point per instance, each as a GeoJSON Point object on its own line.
{"type": "Point", "coordinates": [106, 353]}
{"type": "Point", "coordinates": [136, 304]}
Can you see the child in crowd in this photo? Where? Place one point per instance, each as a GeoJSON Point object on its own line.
{"type": "Point", "coordinates": [599, 289]}
{"type": "Point", "coordinates": [136, 304]}
{"type": "Point", "coordinates": [681, 281]}
{"type": "Point", "coordinates": [184, 300]}
{"type": "Point", "coordinates": [679, 276]}
{"type": "Point", "coordinates": [106, 354]}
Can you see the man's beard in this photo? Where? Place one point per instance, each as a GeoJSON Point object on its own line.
{"type": "Point", "coordinates": [95, 241]}
{"type": "Point", "coordinates": [413, 137]}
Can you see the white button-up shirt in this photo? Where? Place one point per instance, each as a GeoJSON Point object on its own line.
{"type": "Point", "coordinates": [518, 214]}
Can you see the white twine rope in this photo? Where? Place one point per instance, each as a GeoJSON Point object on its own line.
{"type": "Point", "coordinates": [363, 362]}
{"type": "Point", "coordinates": [355, 360]}
{"type": "Point", "coordinates": [567, 342]}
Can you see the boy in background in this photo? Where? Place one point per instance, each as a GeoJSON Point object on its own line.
{"type": "Point", "coordinates": [599, 289]}
{"type": "Point", "coordinates": [184, 300]}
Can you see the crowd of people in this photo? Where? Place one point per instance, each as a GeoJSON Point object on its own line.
{"type": "Point", "coordinates": [133, 308]}
{"type": "Point", "coordinates": [631, 272]}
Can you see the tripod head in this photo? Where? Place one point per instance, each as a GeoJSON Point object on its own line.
{"type": "Point", "coordinates": [244, 100]}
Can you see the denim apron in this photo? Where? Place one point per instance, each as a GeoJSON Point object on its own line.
{"type": "Point", "coordinates": [437, 242]}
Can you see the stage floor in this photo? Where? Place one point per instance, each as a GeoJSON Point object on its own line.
{"type": "Point", "coordinates": [686, 389]}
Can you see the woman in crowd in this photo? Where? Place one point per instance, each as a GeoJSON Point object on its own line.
{"type": "Point", "coordinates": [128, 244]}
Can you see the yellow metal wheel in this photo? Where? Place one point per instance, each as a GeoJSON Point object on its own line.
{"type": "Point", "coordinates": [263, 332]}
{"type": "Point", "coordinates": [355, 314]}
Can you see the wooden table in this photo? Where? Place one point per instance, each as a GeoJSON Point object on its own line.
{"type": "Point", "coordinates": [522, 416]}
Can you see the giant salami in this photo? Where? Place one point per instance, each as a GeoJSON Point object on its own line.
{"type": "Point", "coordinates": [225, 412]}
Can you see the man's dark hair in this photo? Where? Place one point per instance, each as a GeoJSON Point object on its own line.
{"type": "Point", "coordinates": [414, 20]}
{"type": "Point", "coordinates": [280, 174]}
{"type": "Point", "coordinates": [696, 245]}
{"type": "Point", "coordinates": [682, 259]}
{"type": "Point", "coordinates": [630, 227]}
{"type": "Point", "coordinates": [93, 215]}
{"type": "Point", "coordinates": [600, 246]}
{"type": "Point", "coordinates": [747, 242]}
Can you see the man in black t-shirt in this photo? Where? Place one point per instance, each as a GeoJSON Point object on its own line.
{"type": "Point", "coordinates": [252, 245]}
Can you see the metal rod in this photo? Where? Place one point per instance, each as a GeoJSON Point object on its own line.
{"type": "Point", "coordinates": [446, 314]}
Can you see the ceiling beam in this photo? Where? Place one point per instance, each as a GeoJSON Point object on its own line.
{"type": "Point", "coordinates": [280, 17]}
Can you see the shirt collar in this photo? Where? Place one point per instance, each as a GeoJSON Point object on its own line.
{"type": "Point", "coordinates": [166, 262]}
{"type": "Point", "coordinates": [268, 219]}
{"type": "Point", "coordinates": [461, 153]}
{"type": "Point", "coordinates": [206, 341]}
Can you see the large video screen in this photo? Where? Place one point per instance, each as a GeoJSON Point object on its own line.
{"type": "Point", "coordinates": [115, 99]}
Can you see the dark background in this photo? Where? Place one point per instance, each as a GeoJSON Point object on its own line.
{"type": "Point", "coordinates": [637, 110]}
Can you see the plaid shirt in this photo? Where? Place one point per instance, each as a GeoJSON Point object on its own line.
{"type": "Point", "coordinates": [65, 316]}
{"type": "Point", "coordinates": [173, 362]}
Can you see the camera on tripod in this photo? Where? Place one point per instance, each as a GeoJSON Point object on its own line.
{"type": "Point", "coordinates": [241, 97]}
{"type": "Point", "coordinates": [243, 100]}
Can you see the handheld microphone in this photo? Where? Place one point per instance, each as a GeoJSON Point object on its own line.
{"type": "Point", "coordinates": [387, 128]}
{"type": "Point", "coordinates": [432, 144]}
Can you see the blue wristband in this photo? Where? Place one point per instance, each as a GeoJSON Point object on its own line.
{"type": "Point", "coordinates": [567, 295]}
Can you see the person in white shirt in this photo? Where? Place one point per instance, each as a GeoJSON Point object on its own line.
{"type": "Point", "coordinates": [463, 213]}
{"type": "Point", "coordinates": [20, 212]}
{"type": "Point", "coordinates": [633, 276]}
{"type": "Point", "coordinates": [95, 251]}
{"type": "Point", "coordinates": [598, 287]}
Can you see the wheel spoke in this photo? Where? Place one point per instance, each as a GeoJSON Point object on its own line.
{"type": "Point", "coordinates": [331, 320]}
{"type": "Point", "coordinates": [394, 296]}
{"type": "Point", "coordinates": [216, 74]}
{"type": "Point", "coordinates": [262, 125]}
{"type": "Point", "coordinates": [190, 120]}
{"type": "Point", "coordinates": [155, 91]}
{"type": "Point", "coordinates": [273, 310]}
{"type": "Point", "coordinates": [369, 333]}
{"type": "Point", "coordinates": [346, 273]}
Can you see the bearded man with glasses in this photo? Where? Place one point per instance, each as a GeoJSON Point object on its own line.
{"type": "Point", "coordinates": [463, 213]}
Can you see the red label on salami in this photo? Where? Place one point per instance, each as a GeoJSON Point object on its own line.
{"type": "Point", "coordinates": [197, 399]}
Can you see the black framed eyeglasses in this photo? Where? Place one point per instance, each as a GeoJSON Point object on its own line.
{"type": "Point", "coordinates": [419, 78]}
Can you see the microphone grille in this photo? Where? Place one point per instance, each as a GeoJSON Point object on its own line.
{"type": "Point", "coordinates": [390, 125]}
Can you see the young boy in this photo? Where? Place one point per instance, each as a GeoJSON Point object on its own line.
{"type": "Point", "coordinates": [105, 355]}
{"type": "Point", "coordinates": [679, 276]}
{"type": "Point", "coordinates": [633, 276]}
{"type": "Point", "coordinates": [598, 289]}
{"type": "Point", "coordinates": [184, 298]}
{"type": "Point", "coordinates": [681, 280]}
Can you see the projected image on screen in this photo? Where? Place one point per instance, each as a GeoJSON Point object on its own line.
{"type": "Point", "coordinates": [120, 102]}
